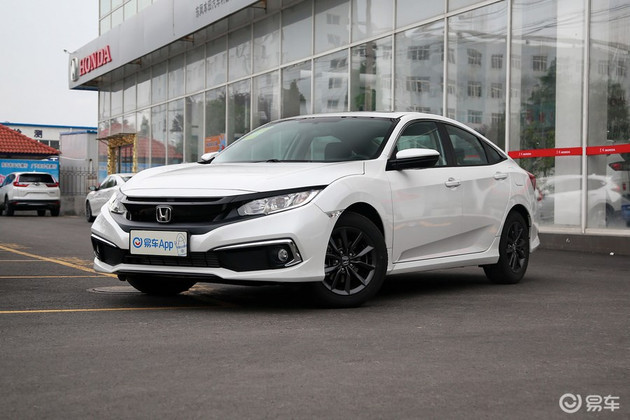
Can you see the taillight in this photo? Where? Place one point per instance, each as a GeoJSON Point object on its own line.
{"type": "Point", "coordinates": [617, 166]}
{"type": "Point", "coordinates": [54, 184]}
{"type": "Point", "coordinates": [17, 184]}
{"type": "Point", "coordinates": [532, 179]}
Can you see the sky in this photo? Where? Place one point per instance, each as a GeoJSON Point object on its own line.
{"type": "Point", "coordinates": [34, 67]}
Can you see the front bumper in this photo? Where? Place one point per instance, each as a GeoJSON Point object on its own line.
{"type": "Point", "coordinates": [242, 251]}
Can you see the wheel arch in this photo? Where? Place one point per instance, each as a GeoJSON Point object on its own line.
{"type": "Point", "coordinates": [366, 210]}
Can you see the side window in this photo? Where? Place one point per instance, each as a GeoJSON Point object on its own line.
{"type": "Point", "coordinates": [469, 150]}
{"type": "Point", "coordinates": [421, 135]}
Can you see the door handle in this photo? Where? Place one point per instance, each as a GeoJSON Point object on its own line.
{"type": "Point", "coordinates": [500, 175]}
{"type": "Point", "coordinates": [452, 183]}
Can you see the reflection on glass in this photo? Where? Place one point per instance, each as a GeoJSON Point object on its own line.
{"type": "Point", "coordinates": [194, 128]}
{"type": "Point", "coordinates": [143, 88]}
{"type": "Point", "coordinates": [331, 83]}
{"type": "Point", "coordinates": [296, 90]}
{"type": "Point", "coordinates": [158, 83]}
{"type": "Point", "coordinates": [408, 12]}
{"type": "Point", "coordinates": [371, 18]}
{"type": "Point", "coordinates": [420, 69]}
{"type": "Point", "coordinates": [104, 104]}
{"type": "Point", "coordinates": [158, 133]}
{"type": "Point", "coordinates": [297, 31]}
{"type": "Point", "coordinates": [129, 124]}
{"type": "Point", "coordinates": [175, 134]}
{"type": "Point", "coordinates": [476, 71]}
{"type": "Point", "coordinates": [240, 53]}
{"type": "Point", "coordinates": [215, 139]}
{"type": "Point", "coordinates": [239, 110]}
{"type": "Point", "coordinates": [176, 76]}
{"type": "Point", "coordinates": [267, 43]}
{"type": "Point", "coordinates": [265, 102]}
{"type": "Point", "coordinates": [371, 76]}
{"type": "Point", "coordinates": [609, 111]}
{"type": "Point", "coordinates": [544, 106]}
{"type": "Point", "coordinates": [129, 95]}
{"type": "Point", "coordinates": [332, 24]}
{"type": "Point", "coordinates": [195, 69]}
{"type": "Point", "coordinates": [216, 62]}
{"type": "Point", "coordinates": [117, 97]}
{"type": "Point", "coordinates": [143, 133]}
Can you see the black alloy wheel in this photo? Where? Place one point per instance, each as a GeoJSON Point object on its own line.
{"type": "Point", "coordinates": [513, 252]}
{"type": "Point", "coordinates": [88, 212]}
{"type": "Point", "coordinates": [355, 263]}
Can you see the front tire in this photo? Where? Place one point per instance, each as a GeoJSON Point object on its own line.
{"type": "Point", "coordinates": [158, 285]}
{"type": "Point", "coordinates": [513, 252]}
{"type": "Point", "coordinates": [355, 263]}
{"type": "Point", "coordinates": [8, 209]}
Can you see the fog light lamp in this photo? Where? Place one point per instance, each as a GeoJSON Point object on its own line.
{"type": "Point", "coordinates": [283, 255]}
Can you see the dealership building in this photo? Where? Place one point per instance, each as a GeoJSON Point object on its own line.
{"type": "Point", "coordinates": [546, 80]}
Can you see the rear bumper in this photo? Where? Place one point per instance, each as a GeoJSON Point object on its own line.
{"type": "Point", "coordinates": [34, 204]}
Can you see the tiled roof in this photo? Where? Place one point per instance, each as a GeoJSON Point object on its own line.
{"type": "Point", "coordinates": [12, 142]}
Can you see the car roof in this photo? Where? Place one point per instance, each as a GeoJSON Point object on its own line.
{"type": "Point", "coordinates": [372, 114]}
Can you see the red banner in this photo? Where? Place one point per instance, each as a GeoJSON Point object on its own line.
{"type": "Point", "coordinates": [570, 151]}
{"type": "Point", "coordinates": [608, 150]}
{"type": "Point", "coordinates": [534, 153]}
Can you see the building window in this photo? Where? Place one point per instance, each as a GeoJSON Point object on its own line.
{"type": "Point", "coordinates": [497, 61]}
{"type": "Point", "coordinates": [418, 84]}
{"type": "Point", "coordinates": [338, 63]}
{"type": "Point", "coordinates": [622, 68]}
{"type": "Point", "coordinates": [474, 57]}
{"type": "Point", "coordinates": [496, 90]}
{"type": "Point", "coordinates": [333, 19]}
{"type": "Point", "coordinates": [419, 52]}
{"type": "Point", "coordinates": [475, 117]}
{"type": "Point", "coordinates": [335, 82]}
{"type": "Point", "coordinates": [332, 104]}
{"type": "Point", "coordinates": [516, 61]}
{"type": "Point", "coordinates": [451, 88]}
{"type": "Point", "coordinates": [474, 89]}
{"type": "Point", "coordinates": [415, 108]}
{"type": "Point", "coordinates": [603, 67]}
{"type": "Point", "coordinates": [539, 63]}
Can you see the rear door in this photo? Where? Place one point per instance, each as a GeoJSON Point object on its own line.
{"type": "Point", "coordinates": [484, 175]}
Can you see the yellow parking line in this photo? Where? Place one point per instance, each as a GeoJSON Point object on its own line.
{"type": "Point", "coordinates": [53, 260]}
{"type": "Point", "coordinates": [55, 311]}
{"type": "Point", "coordinates": [49, 277]}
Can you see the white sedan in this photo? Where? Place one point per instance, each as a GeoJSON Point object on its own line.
{"type": "Point", "coordinates": [337, 201]}
{"type": "Point", "coordinates": [98, 196]}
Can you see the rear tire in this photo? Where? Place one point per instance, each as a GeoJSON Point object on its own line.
{"type": "Point", "coordinates": [41, 213]}
{"type": "Point", "coordinates": [8, 209]}
{"type": "Point", "coordinates": [88, 212]}
{"type": "Point", "coordinates": [355, 263]}
{"type": "Point", "coordinates": [513, 252]}
{"type": "Point", "coordinates": [54, 212]}
{"type": "Point", "coordinates": [159, 286]}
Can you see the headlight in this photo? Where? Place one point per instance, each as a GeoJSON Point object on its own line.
{"type": "Point", "coordinates": [115, 204]}
{"type": "Point", "coordinates": [277, 203]}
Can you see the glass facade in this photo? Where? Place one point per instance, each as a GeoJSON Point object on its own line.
{"type": "Point", "coordinates": [545, 80]}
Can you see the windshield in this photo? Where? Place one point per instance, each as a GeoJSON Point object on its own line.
{"type": "Point", "coordinates": [321, 139]}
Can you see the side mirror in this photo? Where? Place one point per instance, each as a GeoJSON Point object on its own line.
{"type": "Point", "coordinates": [92, 188]}
{"type": "Point", "coordinates": [413, 159]}
{"type": "Point", "coordinates": [207, 157]}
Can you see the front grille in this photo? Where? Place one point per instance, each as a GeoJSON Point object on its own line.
{"type": "Point", "coordinates": [183, 212]}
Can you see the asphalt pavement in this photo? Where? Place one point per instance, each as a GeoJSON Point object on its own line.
{"type": "Point", "coordinates": [444, 344]}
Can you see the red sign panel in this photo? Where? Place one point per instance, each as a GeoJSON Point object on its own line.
{"type": "Point", "coordinates": [608, 150]}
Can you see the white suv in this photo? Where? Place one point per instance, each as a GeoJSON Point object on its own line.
{"type": "Point", "coordinates": [337, 201]}
{"type": "Point", "coordinates": [30, 191]}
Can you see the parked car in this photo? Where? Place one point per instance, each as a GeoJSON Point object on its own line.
{"type": "Point", "coordinates": [30, 191]}
{"type": "Point", "coordinates": [335, 201]}
{"type": "Point", "coordinates": [565, 192]}
{"type": "Point", "coordinates": [98, 196]}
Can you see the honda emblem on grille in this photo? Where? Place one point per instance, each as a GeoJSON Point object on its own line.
{"type": "Point", "coordinates": [163, 214]}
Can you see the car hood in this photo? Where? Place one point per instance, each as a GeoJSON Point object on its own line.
{"type": "Point", "coordinates": [235, 178]}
